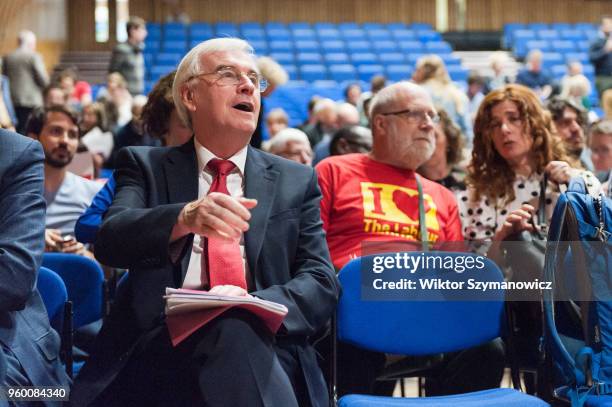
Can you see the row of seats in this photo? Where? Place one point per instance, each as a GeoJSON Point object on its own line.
{"type": "Point", "coordinates": [563, 31]}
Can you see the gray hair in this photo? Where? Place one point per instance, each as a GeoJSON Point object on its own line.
{"type": "Point", "coordinates": [387, 96]}
{"type": "Point", "coordinates": [285, 136]}
{"type": "Point", "coordinates": [26, 38]}
{"type": "Point", "coordinates": [190, 66]}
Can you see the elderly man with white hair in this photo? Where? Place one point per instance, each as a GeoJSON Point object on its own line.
{"type": "Point", "coordinates": [375, 198]}
{"type": "Point", "coordinates": [218, 215]}
{"type": "Point", "coordinates": [346, 115]}
{"type": "Point", "coordinates": [27, 75]}
{"type": "Point", "coordinates": [325, 121]}
{"type": "Point", "coordinates": [293, 145]}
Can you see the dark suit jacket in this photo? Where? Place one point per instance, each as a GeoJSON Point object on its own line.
{"type": "Point", "coordinates": [285, 249]}
{"type": "Point", "coordinates": [24, 326]}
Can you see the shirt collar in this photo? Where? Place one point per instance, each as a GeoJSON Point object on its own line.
{"type": "Point", "coordinates": [205, 155]}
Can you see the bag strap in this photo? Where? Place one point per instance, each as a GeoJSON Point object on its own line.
{"type": "Point", "coordinates": [542, 204]}
{"type": "Point", "coordinates": [422, 220]}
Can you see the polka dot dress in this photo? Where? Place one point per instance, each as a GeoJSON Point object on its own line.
{"type": "Point", "coordinates": [480, 220]}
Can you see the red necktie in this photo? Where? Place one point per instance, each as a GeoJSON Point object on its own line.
{"type": "Point", "coordinates": [222, 256]}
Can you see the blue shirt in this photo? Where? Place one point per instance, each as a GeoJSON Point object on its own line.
{"type": "Point", "coordinates": [87, 226]}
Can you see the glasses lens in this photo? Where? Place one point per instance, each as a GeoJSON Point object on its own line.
{"type": "Point", "coordinates": [263, 84]}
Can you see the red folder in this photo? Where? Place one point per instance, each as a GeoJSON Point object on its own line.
{"type": "Point", "coordinates": [189, 310]}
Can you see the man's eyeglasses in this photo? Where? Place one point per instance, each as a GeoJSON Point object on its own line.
{"type": "Point", "coordinates": [416, 116]}
{"type": "Point", "coordinates": [227, 76]}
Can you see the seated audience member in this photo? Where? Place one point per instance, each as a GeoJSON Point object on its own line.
{"type": "Point", "coordinates": [53, 95]}
{"type": "Point", "coordinates": [293, 145]}
{"type": "Point", "coordinates": [570, 119]}
{"type": "Point", "coordinates": [346, 115]}
{"type": "Point", "coordinates": [351, 139]}
{"type": "Point", "coordinates": [276, 121]}
{"type": "Point", "coordinates": [577, 88]}
{"type": "Point", "coordinates": [29, 351]}
{"type": "Point", "coordinates": [275, 75]}
{"type": "Point", "coordinates": [325, 116]}
{"type": "Point", "coordinates": [515, 144]}
{"type": "Point", "coordinates": [311, 119]}
{"type": "Point", "coordinates": [133, 134]}
{"type": "Point", "coordinates": [600, 143]}
{"type": "Point", "coordinates": [78, 93]}
{"type": "Point", "coordinates": [475, 93]}
{"type": "Point", "coordinates": [442, 166]}
{"type": "Point", "coordinates": [95, 137]}
{"type": "Point", "coordinates": [67, 195]}
{"type": "Point", "coordinates": [152, 231]}
{"type": "Point", "coordinates": [377, 82]}
{"type": "Point", "coordinates": [160, 120]}
{"type": "Point", "coordinates": [430, 72]}
{"type": "Point", "coordinates": [117, 100]}
{"type": "Point", "coordinates": [364, 192]}
{"type": "Point", "coordinates": [534, 77]}
{"type": "Point", "coordinates": [352, 93]}
{"type": "Point", "coordinates": [497, 62]}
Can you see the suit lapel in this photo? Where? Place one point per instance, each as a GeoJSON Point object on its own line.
{"type": "Point", "coordinates": [260, 184]}
{"type": "Point", "coordinates": [181, 171]}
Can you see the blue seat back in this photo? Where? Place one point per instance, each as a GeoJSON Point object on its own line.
{"type": "Point", "coordinates": [420, 323]}
{"type": "Point", "coordinates": [54, 295]}
{"type": "Point", "coordinates": [84, 281]}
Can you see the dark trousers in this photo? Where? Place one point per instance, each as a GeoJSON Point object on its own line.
{"type": "Point", "coordinates": [473, 369]}
{"type": "Point", "coordinates": [22, 113]}
{"type": "Point", "coordinates": [231, 361]}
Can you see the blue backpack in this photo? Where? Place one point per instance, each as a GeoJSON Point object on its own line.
{"type": "Point", "coordinates": [579, 263]}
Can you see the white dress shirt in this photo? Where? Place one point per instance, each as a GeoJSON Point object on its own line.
{"type": "Point", "coordinates": [235, 186]}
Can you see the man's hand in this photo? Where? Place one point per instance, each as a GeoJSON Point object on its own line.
{"type": "Point", "coordinates": [229, 290]}
{"type": "Point", "coordinates": [215, 215]}
{"type": "Point", "coordinates": [53, 240]}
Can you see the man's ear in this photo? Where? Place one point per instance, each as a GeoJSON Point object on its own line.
{"type": "Point", "coordinates": [378, 122]}
{"type": "Point", "coordinates": [187, 97]}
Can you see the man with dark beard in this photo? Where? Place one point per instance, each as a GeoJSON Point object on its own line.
{"type": "Point", "coordinates": [570, 120]}
{"type": "Point", "coordinates": [66, 194]}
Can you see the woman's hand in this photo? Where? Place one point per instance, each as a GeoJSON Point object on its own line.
{"type": "Point", "coordinates": [560, 172]}
{"type": "Point", "coordinates": [517, 221]}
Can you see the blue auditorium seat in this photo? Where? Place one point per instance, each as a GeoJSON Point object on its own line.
{"type": "Point", "coordinates": [450, 59]}
{"type": "Point", "coordinates": [280, 46]}
{"type": "Point", "coordinates": [384, 46]}
{"type": "Point", "coordinates": [278, 34]}
{"type": "Point", "coordinates": [201, 32]}
{"type": "Point", "coordinates": [283, 57]}
{"type": "Point", "coordinates": [364, 58]}
{"type": "Point", "coordinates": [157, 71]}
{"type": "Point", "coordinates": [413, 58]}
{"type": "Point", "coordinates": [403, 34]}
{"type": "Point", "coordinates": [250, 25]}
{"type": "Point", "coordinates": [397, 73]}
{"type": "Point", "coordinates": [560, 26]}
{"type": "Point", "coordinates": [326, 34]}
{"type": "Point", "coordinates": [336, 58]}
{"type": "Point", "coordinates": [291, 70]}
{"type": "Point", "coordinates": [372, 26]}
{"type": "Point", "coordinates": [355, 34]}
{"type": "Point", "coordinates": [152, 45]}
{"type": "Point", "coordinates": [308, 58]}
{"type": "Point", "coordinates": [348, 26]}
{"type": "Point", "coordinates": [558, 71]}
{"type": "Point", "coordinates": [572, 34]}
{"type": "Point", "coordinates": [547, 34]}
{"type": "Point", "coordinates": [176, 46]}
{"type": "Point", "coordinates": [509, 29]}
{"type": "Point", "coordinates": [582, 57]}
{"type": "Point", "coordinates": [391, 58]}
{"type": "Point", "coordinates": [421, 26]}
{"type": "Point", "coordinates": [396, 26]}
{"type": "Point", "coordinates": [261, 47]}
{"type": "Point", "coordinates": [275, 25]}
{"type": "Point", "coordinates": [411, 46]}
{"type": "Point", "coordinates": [253, 33]}
{"type": "Point", "coordinates": [333, 46]}
{"type": "Point", "coordinates": [359, 46]}
{"type": "Point", "coordinates": [324, 26]}
{"type": "Point", "coordinates": [428, 35]}
{"type": "Point", "coordinates": [438, 47]}
{"type": "Point", "coordinates": [313, 72]}
{"type": "Point", "coordinates": [379, 35]}
{"type": "Point", "coordinates": [304, 34]}
{"type": "Point", "coordinates": [298, 25]}
{"type": "Point", "coordinates": [365, 72]}
{"type": "Point", "coordinates": [552, 58]}
{"type": "Point", "coordinates": [542, 45]}
{"type": "Point", "coordinates": [457, 73]}
{"type": "Point", "coordinates": [538, 26]}
{"type": "Point", "coordinates": [342, 72]}
{"type": "Point", "coordinates": [226, 29]}
{"type": "Point", "coordinates": [562, 46]}
{"type": "Point", "coordinates": [306, 46]}
{"type": "Point", "coordinates": [168, 58]}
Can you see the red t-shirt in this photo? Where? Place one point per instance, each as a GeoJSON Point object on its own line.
{"type": "Point", "coordinates": [365, 200]}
